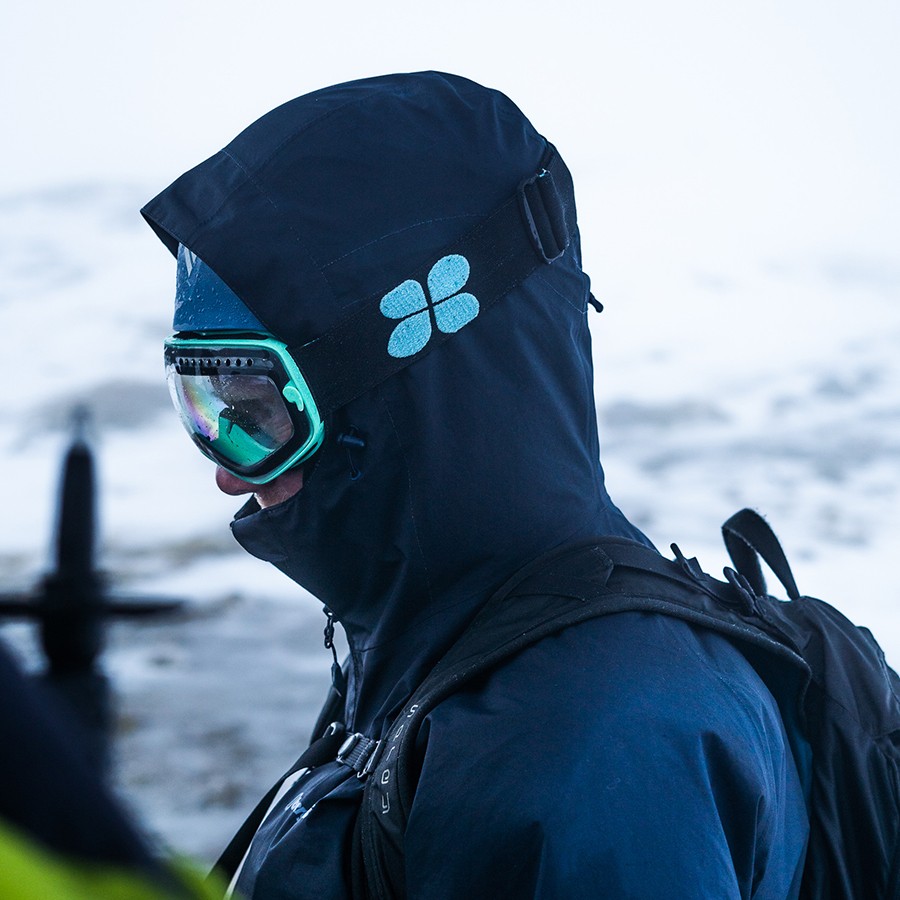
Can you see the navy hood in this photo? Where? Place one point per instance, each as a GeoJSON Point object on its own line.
{"type": "Point", "coordinates": [479, 456]}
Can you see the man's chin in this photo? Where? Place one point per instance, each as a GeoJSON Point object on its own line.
{"type": "Point", "coordinates": [276, 491]}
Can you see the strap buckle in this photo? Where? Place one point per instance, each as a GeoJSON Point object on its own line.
{"type": "Point", "coordinates": [545, 214]}
{"type": "Point", "coordinates": [359, 753]}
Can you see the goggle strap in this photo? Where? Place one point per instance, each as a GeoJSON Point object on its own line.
{"type": "Point", "coordinates": [532, 228]}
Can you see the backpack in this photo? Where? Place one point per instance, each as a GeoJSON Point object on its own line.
{"type": "Point", "coordinates": [829, 678]}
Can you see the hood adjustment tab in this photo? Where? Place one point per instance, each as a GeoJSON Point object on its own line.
{"type": "Point", "coordinates": [545, 213]}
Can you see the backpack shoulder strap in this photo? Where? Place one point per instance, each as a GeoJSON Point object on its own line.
{"type": "Point", "coordinates": [577, 583]}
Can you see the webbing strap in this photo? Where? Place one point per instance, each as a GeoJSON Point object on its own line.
{"type": "Point", "coordinates": [359, 753]}
{"type": "Point", "coordinates": [532, 228]}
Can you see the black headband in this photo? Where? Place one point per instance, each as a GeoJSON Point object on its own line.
{"type": "Point", "coordinates": [532, 228]}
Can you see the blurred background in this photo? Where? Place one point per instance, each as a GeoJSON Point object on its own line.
{"type": "Point", "coordinates": [739, 201]}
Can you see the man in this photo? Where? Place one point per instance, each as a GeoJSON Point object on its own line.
{"type": "Point", "coordinates": [396, 262]}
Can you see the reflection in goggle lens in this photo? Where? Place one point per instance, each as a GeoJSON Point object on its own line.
{"type": "Point", "coordinates": [243, 417]}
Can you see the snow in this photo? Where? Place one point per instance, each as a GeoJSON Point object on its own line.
{"type": "Point", "coordinates": [738, 200]}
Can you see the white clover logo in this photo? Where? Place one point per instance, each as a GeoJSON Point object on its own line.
{"type": "Point", "coordinates": [449, 309]}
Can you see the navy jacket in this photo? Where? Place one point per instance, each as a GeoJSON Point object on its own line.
{"type": "Point", "coordinates": [627, 757]}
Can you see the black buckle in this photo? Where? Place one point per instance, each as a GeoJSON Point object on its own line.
{"type": "Point", "coordinates": [545, 215]}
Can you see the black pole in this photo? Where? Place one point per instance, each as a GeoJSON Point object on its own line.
{"type": "Point", "coordinates": [71, 627]}
{"type": "Point", "coordinates": [71, 631]}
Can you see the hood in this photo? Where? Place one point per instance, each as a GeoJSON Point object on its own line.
{"type": "Point", "coordinates": [479, 456]}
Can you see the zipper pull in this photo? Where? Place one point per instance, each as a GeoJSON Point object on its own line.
{"type": "Point", "coordinates": [338, 680]}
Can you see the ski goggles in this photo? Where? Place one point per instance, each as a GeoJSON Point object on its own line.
{"type": "Point", "coordinates": [244, 403]}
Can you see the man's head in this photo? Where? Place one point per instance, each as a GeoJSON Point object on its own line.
{"type": "Point", "coordinates": [240, 393]}
{"type": "Point", "coordinates": [410, 241]}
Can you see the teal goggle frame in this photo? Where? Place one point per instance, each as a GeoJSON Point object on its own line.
{"type": "Point", "coordinates": [244, 402]}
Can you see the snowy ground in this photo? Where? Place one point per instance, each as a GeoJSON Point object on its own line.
{"type": "Point", "coordinates": [775, 386]}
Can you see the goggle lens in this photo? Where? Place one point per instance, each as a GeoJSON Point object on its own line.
{"type": "Point", "coordinates": [241, 418]}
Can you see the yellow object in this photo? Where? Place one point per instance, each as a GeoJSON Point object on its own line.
{"type": "Point", "coordinates": [30, 872]}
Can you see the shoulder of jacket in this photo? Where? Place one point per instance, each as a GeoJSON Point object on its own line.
{"type": "Point", "coordinates": [623, 668]}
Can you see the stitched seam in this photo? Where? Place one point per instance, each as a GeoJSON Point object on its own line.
{"type": "Point", "coordinates": [315, 123]}
{"type": "Point", "coordinates": [270, 200]}
{"type": "Point", "coordinates": [287, 140]}
{"type": "Point", "coordinates": [558, 293]}
{"type": "Point", "coordinates": [226, 152]}
{"type": "Point", "coordinates": [400, 231]}
{"type": "Point", "coordinates": [251, 179]}
{"type": "Point", "coordinates": [741, 700]}
{"type": "Point", "coordinates": [309, 126]}
{"type": "Point", "coordinates": [225, 199]}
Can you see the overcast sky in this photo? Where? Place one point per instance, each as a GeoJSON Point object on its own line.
{"type": "Point", "coordinates": [773, 123]}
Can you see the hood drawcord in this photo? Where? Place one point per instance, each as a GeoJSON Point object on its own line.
{"type": "Point", "coordinates": [338, 680]}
